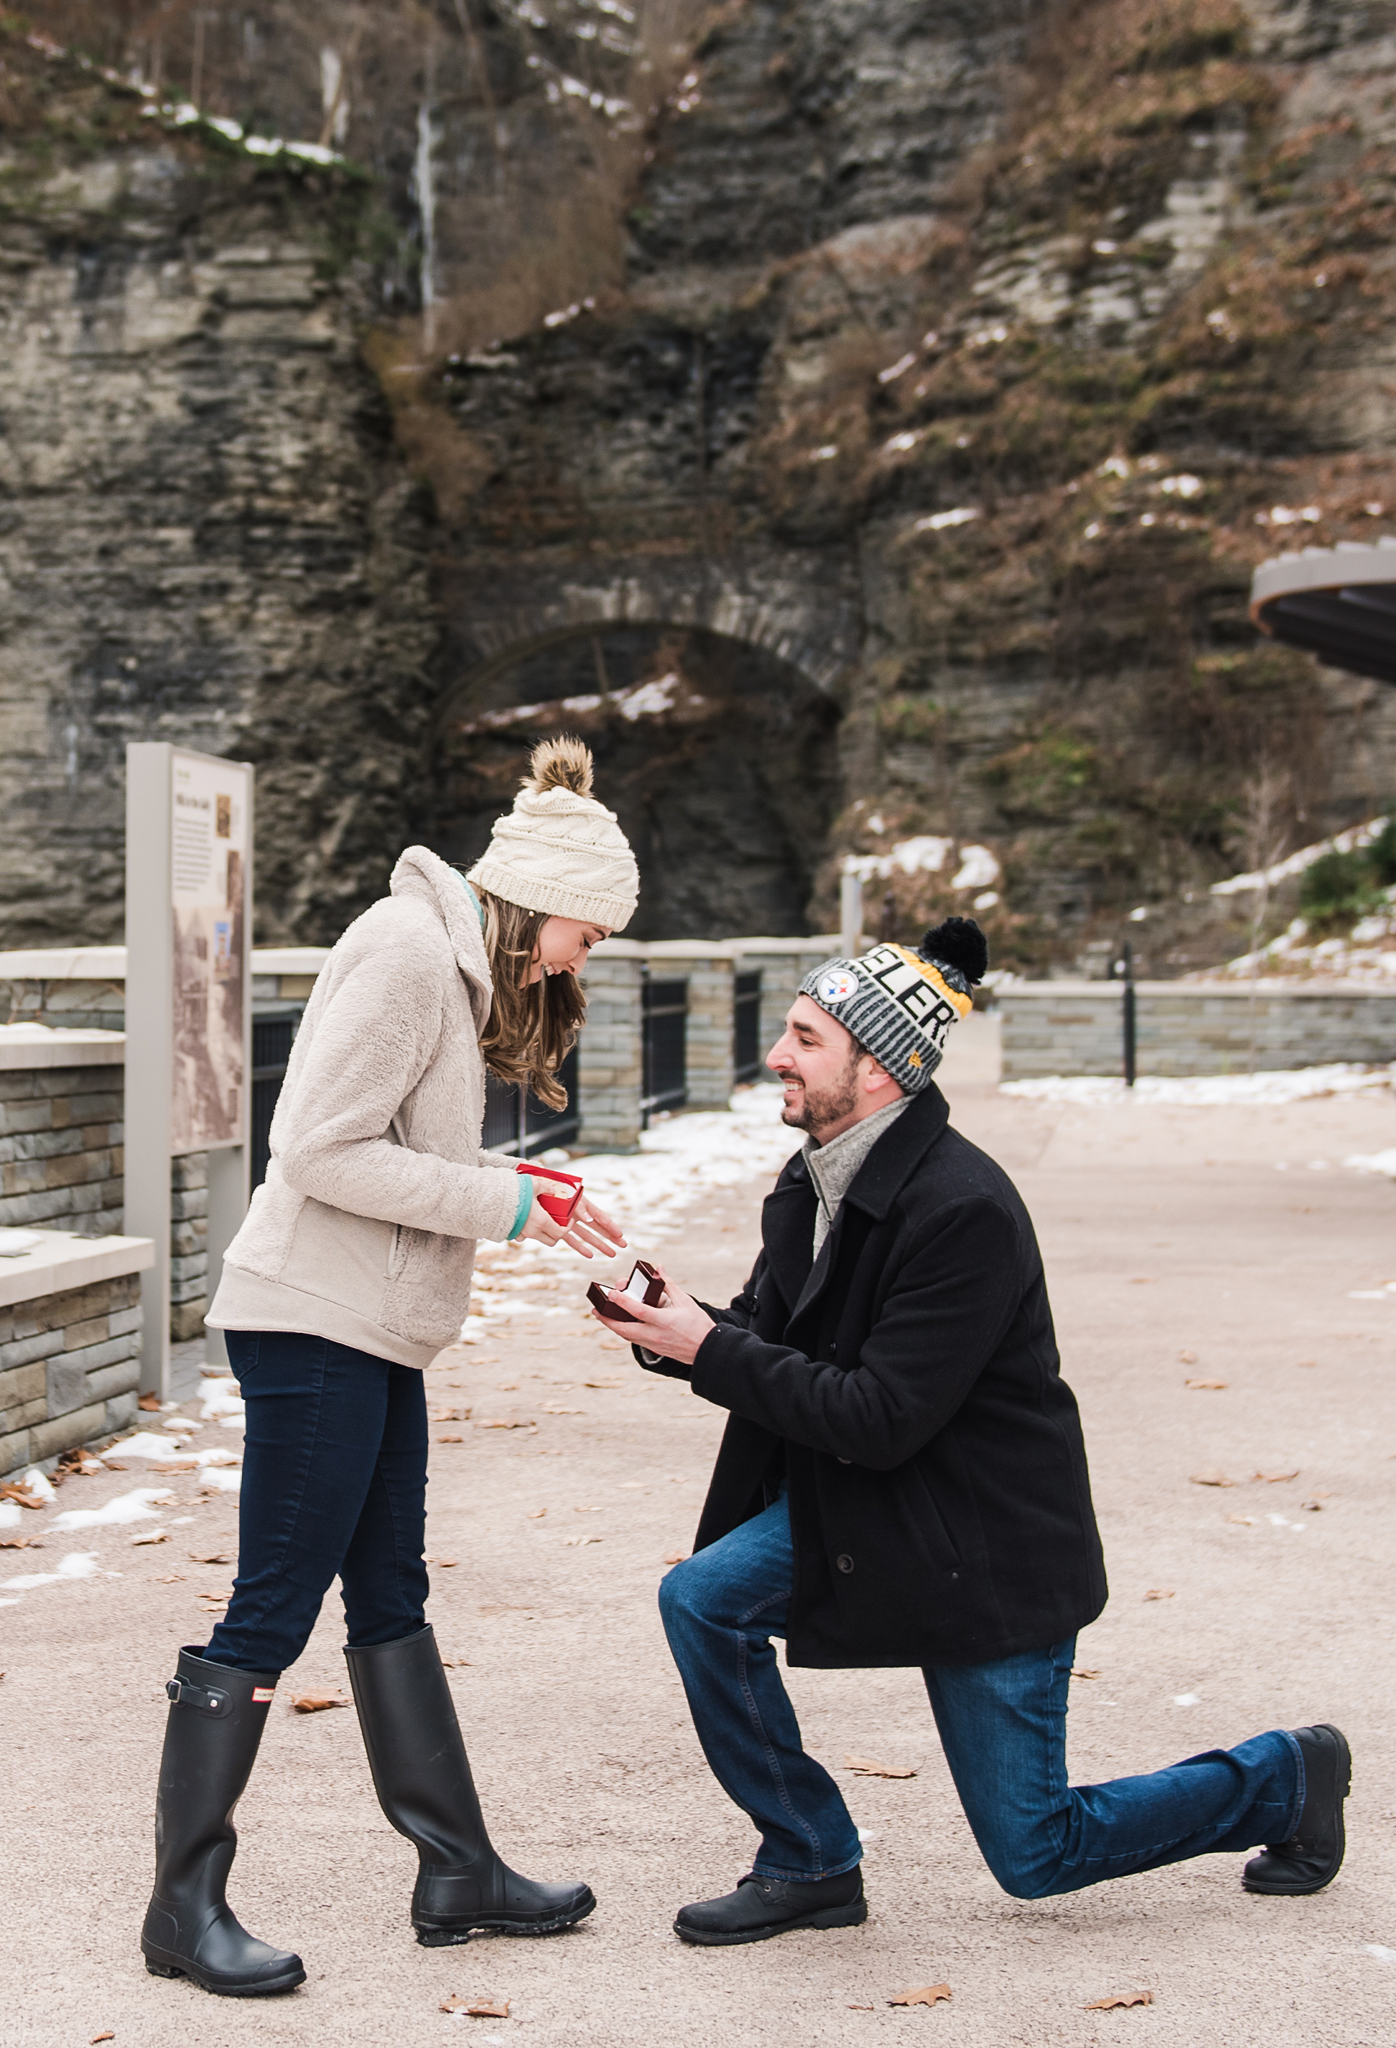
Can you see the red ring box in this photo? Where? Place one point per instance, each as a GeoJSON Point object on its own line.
{"type": "Point", "coordinates": [562, 1208]}
{"type": "Point", "coordinates": [644, 1284]}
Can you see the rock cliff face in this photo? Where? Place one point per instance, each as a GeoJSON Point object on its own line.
{"type": "Point", "coordinates": [969, 361]}
{"type": "Point", "coordinates": [900, 499]}
{"type": "Point", "coordinates": [205, 532]}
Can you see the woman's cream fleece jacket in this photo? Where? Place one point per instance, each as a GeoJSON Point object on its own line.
{"type": "Point", "coordinates": [364, 1230]}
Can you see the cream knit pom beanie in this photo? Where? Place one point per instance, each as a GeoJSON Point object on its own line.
{"type": "Point", "coordinates": [559, 850]}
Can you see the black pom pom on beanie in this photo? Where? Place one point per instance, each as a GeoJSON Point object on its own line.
{"type": "Point", "coordinates": [959, 949]}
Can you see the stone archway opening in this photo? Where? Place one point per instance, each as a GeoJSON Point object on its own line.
{"type": "Point", "coordinates": [717, 755]}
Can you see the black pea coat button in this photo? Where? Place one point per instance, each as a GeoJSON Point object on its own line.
{"type": "Point", "coordinates": [844, 1561]}
{"type": "Point", "coordinates": [845, 1461]}
{"type": "Point", "coordinates": [832, 1349]}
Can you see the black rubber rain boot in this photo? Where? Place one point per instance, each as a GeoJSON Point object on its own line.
{"type": "Point", "coordinates": [423, 1781]}
{"type": "Point", "coordinates": [1311, 1858]}
{"type": "Point", "coordinates": [215, 1724]}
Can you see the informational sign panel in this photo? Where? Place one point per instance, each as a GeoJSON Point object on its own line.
{"type": "Point", "coordinates": [208, 885]}
{"type": "Point", "coordinates": [188, 1007]}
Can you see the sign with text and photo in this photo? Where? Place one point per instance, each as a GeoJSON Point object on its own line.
{"type": "Point", "coordinates": [189, 832]}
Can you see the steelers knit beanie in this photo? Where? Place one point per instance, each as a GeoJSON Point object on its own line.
{"type": "Point", "coordinates": [559, 850]}
{"type": "Point", "coordinates": [899, 1005]}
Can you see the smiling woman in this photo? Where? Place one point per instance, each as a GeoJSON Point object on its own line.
{"type": "Point", "coordinates": [350, 1273]}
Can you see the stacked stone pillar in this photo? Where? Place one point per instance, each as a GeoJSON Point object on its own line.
{"type": "Point", "coordinates": [609, 1049]}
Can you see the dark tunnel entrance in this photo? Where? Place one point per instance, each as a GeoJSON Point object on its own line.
{"type": "Point", "coordinates": [718, 758]}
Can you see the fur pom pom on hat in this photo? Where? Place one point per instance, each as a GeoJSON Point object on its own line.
{"type": "Point", "coordinates": [559, 850]}
{"type": "Point", "coordinates": [899, 1004]}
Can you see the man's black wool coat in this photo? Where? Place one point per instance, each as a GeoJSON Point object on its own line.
{"type": "Point", "coordinates": [908, 1384]}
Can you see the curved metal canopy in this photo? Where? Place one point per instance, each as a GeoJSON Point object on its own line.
{"type": "Point", "coordinates": [1339, 603]}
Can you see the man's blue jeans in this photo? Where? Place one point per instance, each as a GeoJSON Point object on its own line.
{"type": "Point", "coordinates": [1002, 1727]}
{"type": "Point", "coordinates": [334, 1479]}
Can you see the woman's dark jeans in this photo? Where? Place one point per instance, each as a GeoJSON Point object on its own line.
{"type": "Point", "coordinates": [333, 1480]}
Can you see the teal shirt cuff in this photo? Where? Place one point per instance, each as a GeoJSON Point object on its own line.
{"type": "Point", "coordinates": [521, 1214]}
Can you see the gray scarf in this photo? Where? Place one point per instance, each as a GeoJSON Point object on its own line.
{"type": "Point", "coordinates": [832, 1167]}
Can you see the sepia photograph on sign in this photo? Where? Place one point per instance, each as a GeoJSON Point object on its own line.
{"type": "Point", "coordinates": [208, 878]}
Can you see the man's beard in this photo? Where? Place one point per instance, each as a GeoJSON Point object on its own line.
{"type": "Point", "coordinates": [822, 1107]}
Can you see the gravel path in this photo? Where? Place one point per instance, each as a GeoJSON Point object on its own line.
{"type": "Point", "coordinates": [1175, 1250]}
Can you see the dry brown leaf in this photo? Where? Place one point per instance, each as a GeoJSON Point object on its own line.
{"type": "Point", "coordinates": [16, 1492]}
{"type": "Point", "coordinates": [605, 1384]}
{"type": "Point", "coordinates": [210, 1557]}
{"type": "Point", "coordinates": [1248, 1520]}
{"type": "Point", "coordinates": [1161, 1593]}
{"type": "Point", "coordinates": [1211, 1479]}
{"type": "Point", "coordinates": [573, 1541]}
{"type": "Point", "coordinates": [21, 1542]}
{"type": "Point", "coordinates": [316, 1702]}
{"type": "Point", "coordinates": [1314, 1506]}
{"type": "Point", "coordinates": [444, 1564]}
{"type": "Point", "coordinates": [178, 1465]}
{"type": "Point", "coordinates": [450, 1439]}
{"type": "Point", "coordinates": [1274, 1478]}
{"type": "Point", "coordinates": [556, 1408]}
{"type": "Point", "coordinates": [1124, 1998]}
{"type": "Point", "coordinates": [868, 1767]}
{"type": "Point", "coordinates": [81, 1461]}
{"type": "Point", "coordinates": [506, 1425]}
{"type": "Point", "coordinates": [150, 1402]}
{"type": "Point", "coordinates": [506, 1386]}
{"type": "Point", "coordinates": [171, 1579]}
{"type": "Point", "coordinates": [477, 2008]}
{"type": "Point", "coordinates": [114, 1465]}
{"type": "Point", "coordinates": [536, 1514]}
{"type": "Point", "coordinates": [852, 2008]}
{"type": "Point", "coordinates": [1187, 1357]}
{"type": "Point", "coordinates": [152, 1536]}
{"type": "Point", "coordinates": [1079, 1671]}
{"type": "Point", "coordinates": [456, 1663]}
{"type": "Point", "coordinates": [1207, 1386]}
{"type": "Point", "coordinates": [676, 1557]}
{"type": "Point", "coordinates": [106, 2035]}
{"type": "Point", "coordinates": [448, 1415]}
{"type": "Point", "coordinates": [928, 1994]}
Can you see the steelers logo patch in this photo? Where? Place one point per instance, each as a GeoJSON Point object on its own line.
{"type": "Point", "coordinates": [837, 985]}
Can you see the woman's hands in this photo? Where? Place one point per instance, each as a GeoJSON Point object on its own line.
{"type": "Point", "coordinates": [674, 1330]}
{"type": "Point", "coordinates": [589, 1227]}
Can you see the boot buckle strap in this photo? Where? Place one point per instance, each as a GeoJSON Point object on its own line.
{"type": "Point", "coordinates": [209, 1699]}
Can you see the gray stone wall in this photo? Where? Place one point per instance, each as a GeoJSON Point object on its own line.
{"type": "Point", "coordinates": [61, 1160]}
{"type": "Point", "coordinates": [69, 1369]}
{"type": "Point", "coordinates": [1191, 1028]}
{"type": "Point", "coordinates": [61, 1148]}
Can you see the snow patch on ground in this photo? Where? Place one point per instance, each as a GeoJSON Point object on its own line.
{"type": "Point", "coordinates": [78, 1564]}
{"type": "Point", "coordinates": [1209, 1090]}
{"type": "Point", "coordinates": [139, 1506]}
{"type": "Point", "coordinates": [1351, 841]}
{"type": "Point", "coordinates": [1374, 1162]}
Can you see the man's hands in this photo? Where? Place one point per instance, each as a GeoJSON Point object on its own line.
{"type": "Point", "coordinates": [590, 1226]}
{"type": "Point", "coordinates": [673, 1331]}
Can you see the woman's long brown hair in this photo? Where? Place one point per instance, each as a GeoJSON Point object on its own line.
{"type": "Point", "coordinates": [531, 1028]}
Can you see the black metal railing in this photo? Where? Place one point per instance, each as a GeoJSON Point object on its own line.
{"type": "Point", "coordinates": [664, 1039]}
{"type": "Point", "coordinates": [273, 1034]}
{"type": "Point", "coordinates": [746, 1026]}
{"type": "Point", "coordinates": [519, 1123]}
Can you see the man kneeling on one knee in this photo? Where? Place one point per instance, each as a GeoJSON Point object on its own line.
{"type": "Point", "coordinates": [903, 1481]}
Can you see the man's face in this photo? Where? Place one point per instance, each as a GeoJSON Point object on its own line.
{"type": "Point", "coordinates": [819, 1064]}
